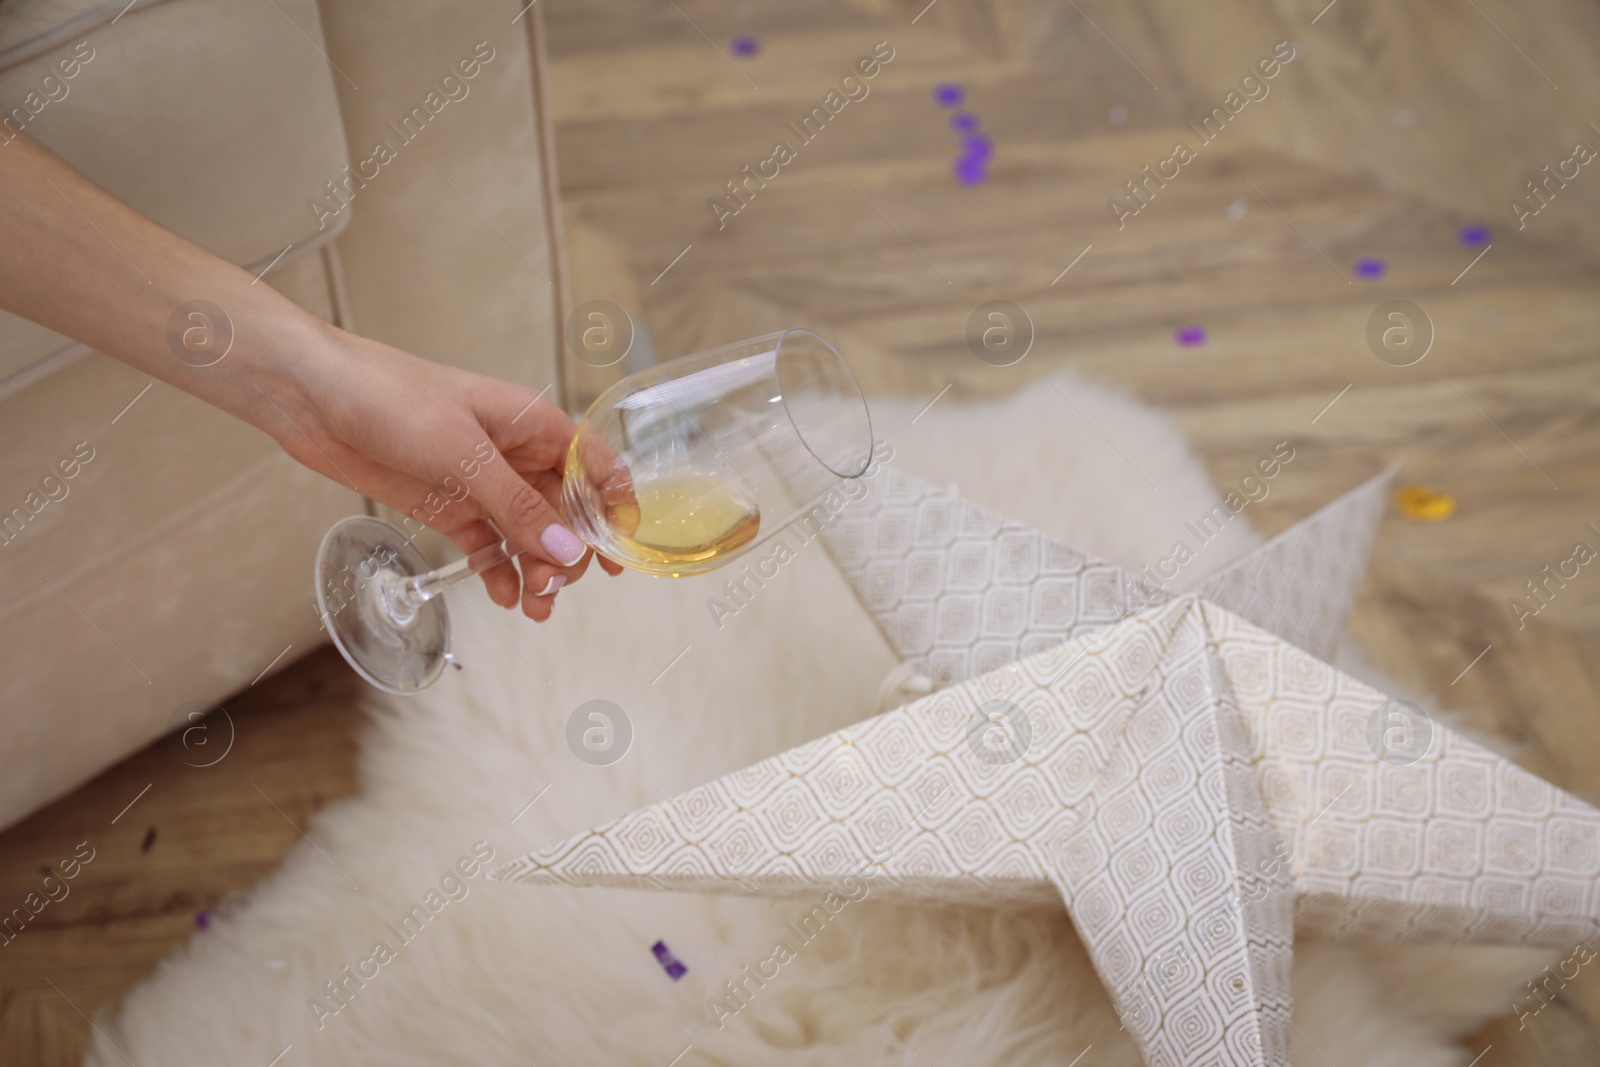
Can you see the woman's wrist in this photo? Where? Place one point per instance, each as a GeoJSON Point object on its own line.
{"type": "Point", "coordinates": [249, 356]}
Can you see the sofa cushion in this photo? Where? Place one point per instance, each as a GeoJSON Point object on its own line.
{"type": "Point", "coordinates": [216, 119]}
{"type": "Point", "coordinates": [28, 27]}
{"type": "Point", "coordinates": [451, 254]}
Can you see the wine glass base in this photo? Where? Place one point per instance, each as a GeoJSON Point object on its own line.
{"type": "Point", "coordinates": [358, 559]}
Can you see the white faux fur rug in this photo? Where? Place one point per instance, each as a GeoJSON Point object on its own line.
{"type": "Point", "coordinates": [510, 974]}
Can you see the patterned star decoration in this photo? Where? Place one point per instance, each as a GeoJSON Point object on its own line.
{"type": "Point", "coordinates": [1186, 772]}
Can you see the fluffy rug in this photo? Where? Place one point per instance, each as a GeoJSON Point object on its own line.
{"type": "Point", "coordinates": [509, 974]}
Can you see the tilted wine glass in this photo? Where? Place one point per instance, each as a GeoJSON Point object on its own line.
{"type": "Point", "coordinates": [675, 470]}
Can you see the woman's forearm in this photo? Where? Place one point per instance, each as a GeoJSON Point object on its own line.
{"type": "Point", "coordinates": [79, 261]}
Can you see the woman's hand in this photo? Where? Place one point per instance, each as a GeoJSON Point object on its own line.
{"type": "Point", "coordinates": [454, 450]}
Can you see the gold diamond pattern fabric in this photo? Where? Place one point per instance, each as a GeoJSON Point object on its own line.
{"type": "Point", "coordinates": [961, 590]}
{"type": "Point", "coordinates": [1300, 585]}
{"type": "Point", "coordinates": [1195, 787]}
{"type": "Point", "coordinates": [1453, 844]}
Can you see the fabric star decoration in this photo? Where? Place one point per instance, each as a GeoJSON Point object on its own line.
{"type": "Point", "coordinates": [1187, 773]}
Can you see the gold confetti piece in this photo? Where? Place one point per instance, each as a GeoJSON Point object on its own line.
{"type": "Point", "coordinates": [1421, 504]}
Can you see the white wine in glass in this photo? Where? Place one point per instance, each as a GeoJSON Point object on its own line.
{"type": "Point", "coordinates": [686, 519]}
{"type": "Point", "coordinates": [673, 471]}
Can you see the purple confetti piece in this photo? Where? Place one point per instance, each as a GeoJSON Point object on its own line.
{"type": "Point", "coordinates": [669, 963]}
{"type": "Point", "coordinates": [1370, 268]}
{"type": "Point", "coordinates": [1474, 235]}
{"type": "Point", "coordinates": [980, 148]}
{"type": "Point", "coordinates": [1190, 336]}
{"type": "Point", "coordinates": [202, 920]}
{"type": "Point", "coordinates": [744, 46]}
{"type": "Point", "coordinates": [964, 122]}
{"type": "Point", "coordinates": [970, 171]}
{"type": "Point", "coordinates": [949, 94]}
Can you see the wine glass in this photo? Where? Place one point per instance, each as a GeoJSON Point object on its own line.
{"type": "Point", "coordinates": [675, 470]}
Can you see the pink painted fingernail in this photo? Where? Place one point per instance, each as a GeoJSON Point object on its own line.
{"type": "Point", "coordinates": [563, 544]}
{"type": "Point", "coordinates": [555, 582]}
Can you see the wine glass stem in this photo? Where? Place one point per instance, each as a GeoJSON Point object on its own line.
{"type": "Point", "coordinates": [405, 596]}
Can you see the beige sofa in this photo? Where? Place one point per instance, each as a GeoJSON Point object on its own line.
{"type": "Point", "coordinates": [174, 565]}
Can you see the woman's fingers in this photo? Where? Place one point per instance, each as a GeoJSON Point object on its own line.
{"type": "Point", "coordinates": [536, 437]}
{"type": "Point", "coordinates": [553, 555]}
{"type": "Point", "coordinates": [541, 582]}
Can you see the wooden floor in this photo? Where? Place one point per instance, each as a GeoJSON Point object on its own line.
{"type": "Point", "coordinates": [1393, 127]}
{"type": "Point", "coordinates": [174, 831]}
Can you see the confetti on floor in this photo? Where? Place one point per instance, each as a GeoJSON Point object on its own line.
{"type": "Point", "coordinates": [1238, 209]}
{"type": "Point", "coordinates": [972, 166]}
{"type": "Point", "coordinates": [949, 94]}
{"type": "Point", "coordinates": [1190, 336]}
{"type": "Point", "coordinates": [202, 920]}
{"type": "Point", "coordinates": [1371, 269]}
{"type": "Point", "coordinates": [1118, 115]}
{"type": "Point", "coordinates": [1421, 504]}
{"type": "Point", "coordinates": [970, 171]}
{"type": "Point", "coordinates": [744, 46]}
{"type": "Point", "coordinates": [1474, 235]}
{"type": "Point", "coordinates": [669, 963]}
